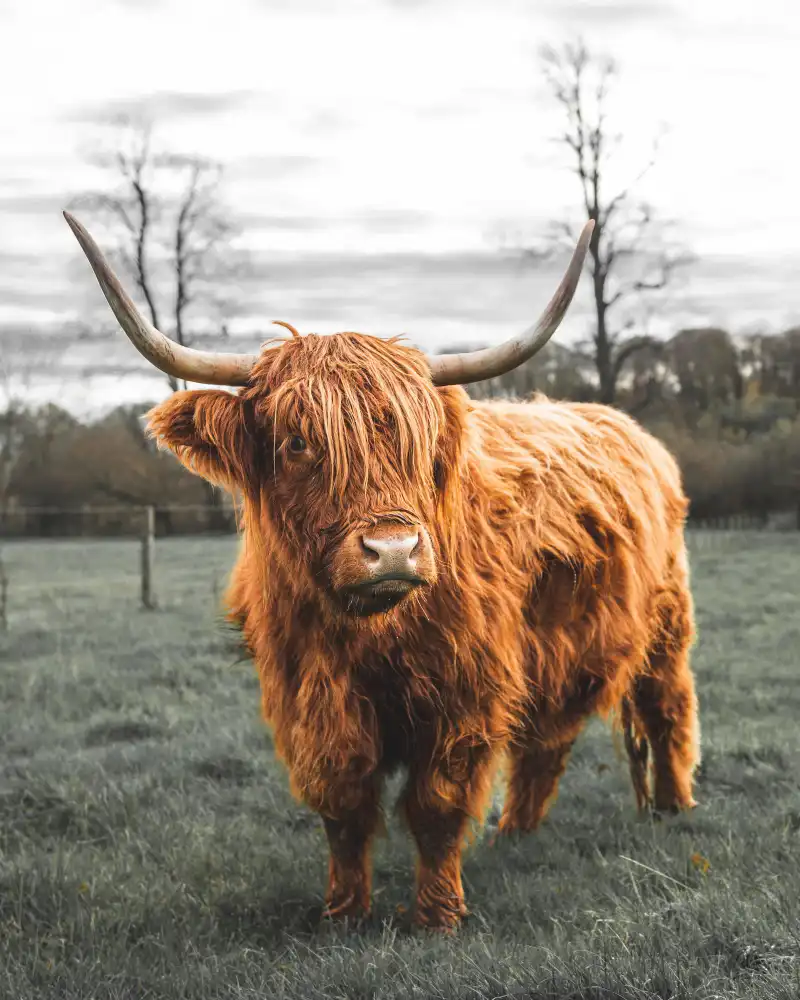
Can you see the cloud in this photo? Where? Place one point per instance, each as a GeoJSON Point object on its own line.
{"type": "Point", "coordinates": [16, 182]}
{"type": "Point", "coordinates": [37, 284]}
{"type": "Point", "coordinates": [306, 6]}
{"type": "Point", "coordinates": [32, 292]}
{"type": "Point", "coordinates": [576, 13]}
{"type": "Point", "coordinates": [391, 220]}
{"type": "Point", "coordinates": [253, 221]}
{"type": "Point", "coordinates": [276, 166]}
{"type": "Point", "coordinates": [325, 122]}
{"type": "Point", "coordinates": [50, 204]}
{"type": "Point", "coordinates": [375, 222]}
{"type": "Point", "coordinates": [591, 14]}
{"type": "Point", "coordinates": [12, 260]}
{"type": "Point", "coordinates": [162, 105]}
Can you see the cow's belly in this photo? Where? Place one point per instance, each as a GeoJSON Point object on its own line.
{"type": "Point", "coordinates": [564, 695]}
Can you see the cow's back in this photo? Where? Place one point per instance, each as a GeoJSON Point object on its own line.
{"type": "Point", "coordinates": [586, 460]}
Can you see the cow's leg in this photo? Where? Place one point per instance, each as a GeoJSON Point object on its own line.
{"type": "Point", "coordinates": [438, 806]}
{"type": "Point", "coordinates": [666, 707]}
{"type": "Point", "coordinates": [534, 773]}
{"type": "Point", "coordinates": [350, 826]}
{"type": "Point", "coordinates": [638, 749]}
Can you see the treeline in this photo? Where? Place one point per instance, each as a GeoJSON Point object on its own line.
{"type": "Point", "coordinates": [728, 409]}
{"type": "Point", "coordinates": [66, 477]}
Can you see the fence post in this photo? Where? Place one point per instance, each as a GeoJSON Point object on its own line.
{"type": "Point", "coordinates": [148, 551]}
{"type": "Point", "coordinates": [3, 595]}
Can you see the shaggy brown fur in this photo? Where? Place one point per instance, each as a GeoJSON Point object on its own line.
{"type": "Point", "coordinates": [558, 588]}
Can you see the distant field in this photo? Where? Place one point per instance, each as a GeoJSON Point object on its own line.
{"type": "Point", "coordinates": [149, 846]}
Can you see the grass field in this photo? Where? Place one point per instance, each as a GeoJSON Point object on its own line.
{"type": "Point", "coordinates": [149, 846]}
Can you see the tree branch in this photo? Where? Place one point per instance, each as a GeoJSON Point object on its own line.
{"type": "Point", "coordinates": [631, 347]}
{"type": "Point", "coordinates": [189, 227]}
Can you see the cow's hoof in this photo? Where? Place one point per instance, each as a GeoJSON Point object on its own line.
{"type": "Point", "coordinates": [349, 909]}
{"type": "Point", "coordinates": [661, 811]}
{"type": "Point", "coordinates": [441, 919]}
{"type": "Point", "coordinates": [510, 832]}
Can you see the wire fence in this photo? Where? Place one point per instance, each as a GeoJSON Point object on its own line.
{"type": "Point", "coordinates": [116, 521]}
{"type": "Point", "coordinates": [134, 521]}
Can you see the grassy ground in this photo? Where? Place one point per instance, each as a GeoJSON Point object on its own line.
{"type": "Point", "coordinates": [149, 846]}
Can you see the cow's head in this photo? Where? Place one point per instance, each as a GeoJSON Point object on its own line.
{"type": "Point", "coordinates": [349, 445]}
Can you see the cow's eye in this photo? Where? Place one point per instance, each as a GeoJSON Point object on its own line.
{"type": "Point", "coordinates": [297, 444]}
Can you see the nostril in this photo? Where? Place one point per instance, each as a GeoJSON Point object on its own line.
{"type": "Point", "coordinates": [372, 554]}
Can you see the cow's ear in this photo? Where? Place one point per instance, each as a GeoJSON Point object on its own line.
{"type": "Point", "coordinates": [206, 429]}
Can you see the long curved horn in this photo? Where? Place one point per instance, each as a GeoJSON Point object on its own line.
{"type": "Point", "coordinates": [460, 369]}
{"type": "Point", "coordinates": [168, 356]}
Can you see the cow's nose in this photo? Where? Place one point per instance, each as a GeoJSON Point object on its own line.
{"type": "Point", "coordinates": [391, 556]}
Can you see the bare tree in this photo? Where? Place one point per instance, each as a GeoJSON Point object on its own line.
{"type": "Point", "coordinates": [174, 238]}
{"type": "Point", "coordinates": [629, 256]}
{"type": "Point", "coordinates": [172, 234]}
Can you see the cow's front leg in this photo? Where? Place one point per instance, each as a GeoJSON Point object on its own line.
{"type": "Point", "coordinates": [438, 804]}
{"type": "Point", "coordinates": [351, 818]}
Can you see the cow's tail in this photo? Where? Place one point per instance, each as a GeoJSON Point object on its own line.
{"type": "Point", "coordinates": [637, 748]}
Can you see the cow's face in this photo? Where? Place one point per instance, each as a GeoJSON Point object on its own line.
{"type": "Point", "coordinates": [349, 448]}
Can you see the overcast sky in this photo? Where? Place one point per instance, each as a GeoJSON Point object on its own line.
{"type": "Point", "coordinates": [386, 157]}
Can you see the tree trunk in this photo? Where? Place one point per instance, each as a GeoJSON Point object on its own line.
{"type": "Point", "coordinates": [603, 358]}
{"type": "Point", "coordinates": [604, 361]}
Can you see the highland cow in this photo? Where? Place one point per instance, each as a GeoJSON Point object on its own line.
{"type": "Point", "coordinates": [436, 584]}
